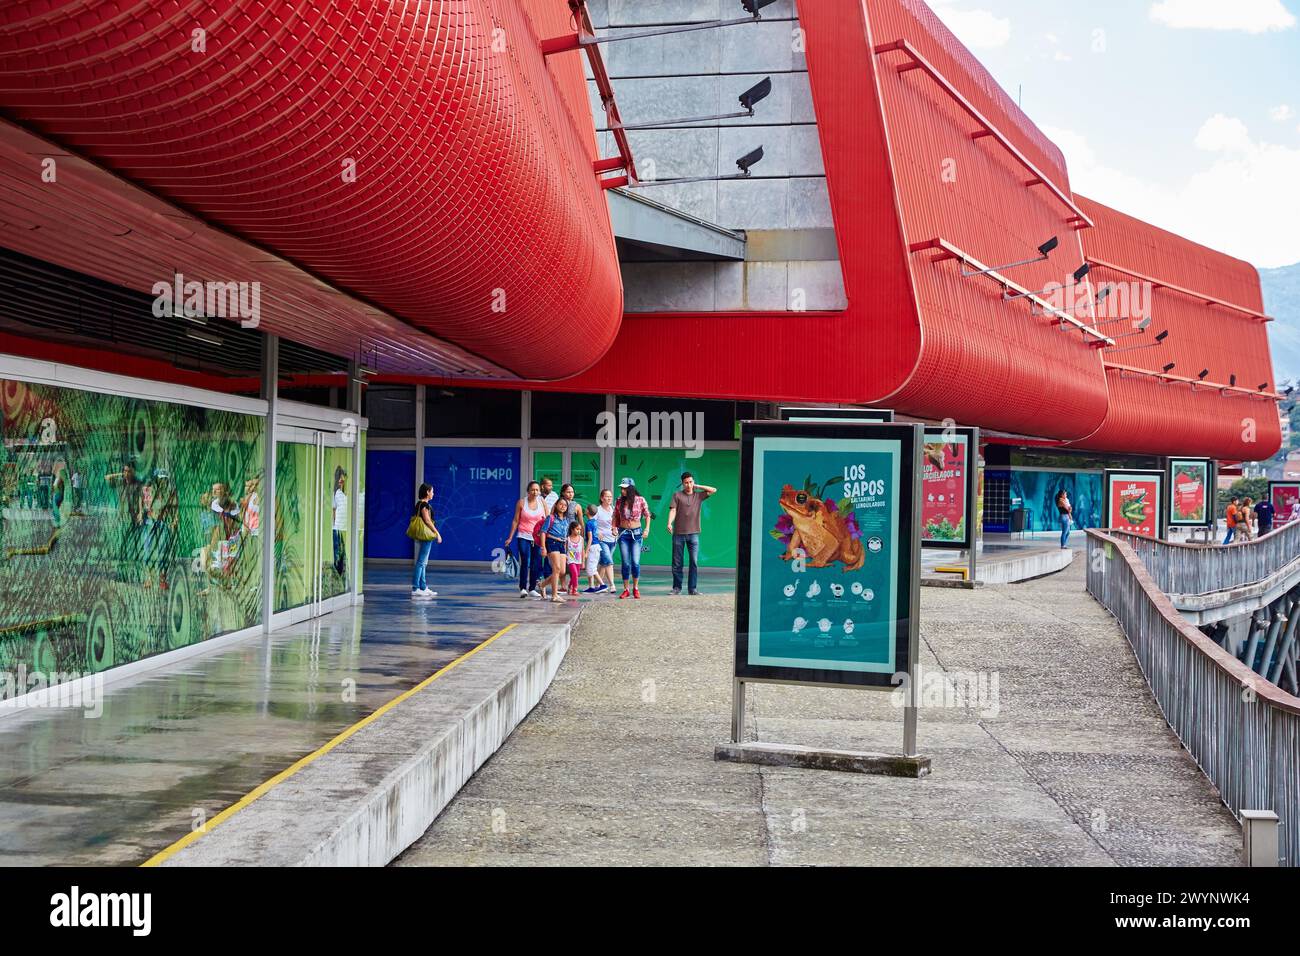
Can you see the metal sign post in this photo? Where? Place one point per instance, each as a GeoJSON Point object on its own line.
{"type": "Point", "coordinates": [828, 576]}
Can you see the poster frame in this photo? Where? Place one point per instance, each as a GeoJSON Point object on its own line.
{"type": "Point", "coordinates": [1162, 492]}
{"type": "Point", "coordinates": [908, 597]}
{"type": "Point", "coordinates": [1211, 493]}
{"type": "Point", "coordinates": [972, 471]}
{"type": "Point", "coordinates": [1290, 482]}
{"type": "Point", "coordinates": [808, 415]}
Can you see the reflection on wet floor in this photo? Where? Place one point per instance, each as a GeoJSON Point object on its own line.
{"type": "Point", "coordinates": [177, 745]}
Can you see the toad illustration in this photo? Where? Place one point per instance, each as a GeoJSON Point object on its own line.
{"type": "Point", "coordinates": [819, 532]}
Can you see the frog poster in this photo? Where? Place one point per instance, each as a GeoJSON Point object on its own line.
{"type": "Point", "coordinates": [824, 554]}
{"type": "Point", "coordinates": [943, 487]}
{"type": "Point", "coordinates": [1133, 503]}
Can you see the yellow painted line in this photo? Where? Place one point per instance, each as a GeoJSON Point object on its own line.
{"type": "Point", "coordinates": [263, 788]}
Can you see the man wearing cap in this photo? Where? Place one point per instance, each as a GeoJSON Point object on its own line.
{"type": "Point", "coordinates": [684, 526]}
{"type": "Point", "coordinates": [629, 511]}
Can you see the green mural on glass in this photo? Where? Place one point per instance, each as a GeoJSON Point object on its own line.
{"type": "Point", "coordinates": [127, 527]}
{"type": "Point", "coordinates": [657, 473]}
{"type": "Point", "coordinates": [313, 507]}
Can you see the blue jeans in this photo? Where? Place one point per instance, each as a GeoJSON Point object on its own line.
{"type": "Point", "coordinates": [629, 548]}
{"type": "Point", "coordinates": [1066, 525]}
{"type": "Point", "coordinates": [686, 546]}
{"type": "Point", "coordinates": [418, 582]}
{"type": "Point", "coordinates": [529, 563]}
{"type": "Point", "coordinates": [1232, 533]}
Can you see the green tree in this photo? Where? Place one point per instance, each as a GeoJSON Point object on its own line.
{"type": "Point", "coordinates": [1256, 488]}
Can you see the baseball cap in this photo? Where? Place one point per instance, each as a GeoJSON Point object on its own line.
{"type": "Point", "coordinates": [627, 483]}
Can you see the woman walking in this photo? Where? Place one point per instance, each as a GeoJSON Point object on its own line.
{"type": "Point", "coordinates": [556, 528]}
{"type": "Point", "coordinates": [629, 512]}
{"type": "Point", "coordinates": [529, 513]}
{"type": "Point", "coordinates": [424, 511]}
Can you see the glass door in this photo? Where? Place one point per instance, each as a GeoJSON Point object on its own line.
{"type": "Point", "coordinates": [314, 509]}
{"type": "Point", "coordinates": [578, 466]}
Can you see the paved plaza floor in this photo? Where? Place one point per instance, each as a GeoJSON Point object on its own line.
{"type": "Point", "coordinates": [1065, 760]}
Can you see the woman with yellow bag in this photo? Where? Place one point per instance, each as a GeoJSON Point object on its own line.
{"type": "Point", "coordinates": [423, 532]}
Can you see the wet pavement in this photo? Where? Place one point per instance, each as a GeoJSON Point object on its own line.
{"type": "Point", "coordinates": [176, 745]}
{"type": "Point", "coordinates": [1047, 746]}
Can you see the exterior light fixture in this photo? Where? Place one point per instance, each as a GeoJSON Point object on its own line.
{"type": "Point", "coordinates": [1264, 387]}
{"type": "Point", "coordinates": [1202, 373]}
{"type": "Point", "coordinates": [1150, 345]}
{"type": "Point", "coordinates": [1078, 275]}
{"type": "Point", "coordinates": [204, 337]}
{"type": "Point", "coordinates": [1169, 368]}
{"type": "Point", "coordinates": [1043, 252]}
{"type": "Point", "coordinates": [759, 91]}
{"type": "Point", "coordinates": [756, 93]}
{"type": "Point", "coordinates": [749, 159]}
{"type": "Point", "coordinates": [743, 164]}
{"type": "Point", "coordinates": [1232, 380]}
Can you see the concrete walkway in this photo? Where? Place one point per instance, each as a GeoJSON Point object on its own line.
{"type": "Point", "coordinates": [177, 745]}
{"type": "Point", "coordinates": [615, 766]}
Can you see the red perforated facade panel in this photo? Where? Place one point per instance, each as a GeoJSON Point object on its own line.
{"type": "Point", "coordinates": [474, 213]}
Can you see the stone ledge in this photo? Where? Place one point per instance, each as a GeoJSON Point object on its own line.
{"type": "Point", "coordinates": [811, 758]}
{"type": "Point", "coordinates": [367, 799]}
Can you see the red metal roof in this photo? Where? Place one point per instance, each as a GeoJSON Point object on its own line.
{"type": "Point", "coordinates": [1211, 306]}
{"type": "Point", "coordinates": [474, 214]}
{"type": "Point", "coordinates": [932, 168]}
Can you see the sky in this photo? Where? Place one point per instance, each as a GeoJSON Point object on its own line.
{"type": "Point", "coordinates": [1185, 113]}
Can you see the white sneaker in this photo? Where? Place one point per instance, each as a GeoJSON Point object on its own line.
{"type": "Point", "coordinates": [523, 592]}
{"type": "Point", "coordinates": [427, 593]}
{"type": "Point", "coordinates": [534, 593]}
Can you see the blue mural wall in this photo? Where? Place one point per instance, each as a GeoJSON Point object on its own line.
{"type": "Point", "coordinates": [474, 495]}
{"type": "Point", "coordinates": [1037, 492]}
{"type": "Point", "coordinates": [390, 500]}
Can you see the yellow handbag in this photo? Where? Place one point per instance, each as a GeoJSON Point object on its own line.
{"type": "Point", "coordinates": [417, 530]}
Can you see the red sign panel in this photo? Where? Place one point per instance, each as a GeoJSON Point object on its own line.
{"type": "Point", "coordinates": [1133, 502]}
{"type": "Point", "coordinates": [1285, 496]}
{"type": "Point", "coordinates": [943, 488]}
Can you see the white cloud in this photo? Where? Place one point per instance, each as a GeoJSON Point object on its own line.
{"type": "Point", "coordinates": [1223, 134]}
{"type": "Point", "coordinates": [1243, 202]}
{"type": "Point", "coordinates": [1282, 114]}
{"type": "Point", "coordinates": [978, 29]}
{"type": "Point", "coordinates": [1251, 16]}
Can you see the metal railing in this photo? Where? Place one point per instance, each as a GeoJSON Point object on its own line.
{"type": "Point", "coordinates": [1242, 731]}
{"type": "Point", "coordinates": [1181, 568]}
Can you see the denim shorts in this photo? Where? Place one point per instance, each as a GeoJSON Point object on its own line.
{"type": "Point", "coordinates": [553, 546]}
{"type": "Point", "coordinates": [607, 552]}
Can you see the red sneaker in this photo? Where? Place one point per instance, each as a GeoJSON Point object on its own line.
{"type": "Point", "coordinates": [625, 593]}
{"type": "Point", "coordinates": [636, 593]}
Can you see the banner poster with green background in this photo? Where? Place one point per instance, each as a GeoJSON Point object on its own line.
{"type": "Point", "coordinates": [828, 545]}
{"type": "Point", "coordinates": [128, 527]}
{"type": "Point", "coordinates": [1191, 497]}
